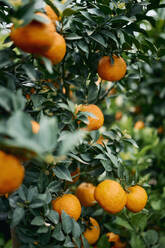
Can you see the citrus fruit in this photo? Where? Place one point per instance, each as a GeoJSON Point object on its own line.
{"type": "Point", "coordinates": [96, 121]}
{"type": "Point", "coordinates": [57, 51]}
{"type": "Point", "coordinates": [68, 203]}
{"type": "Point", "coordinates": [111, 196]}
{"type": "Point", "coordinates": [101, 140]}
{"type": "Point", "coordinates": [112, 71]}
{"type": "Point", "coordinates": [36, 37]}
{"type": "Point", "coordinates": [51, 13]}
{"type": "Point", "coordinates": [115, 238]}
{"type": "Point", "coordinates": [75, 175]}
{"type": "Point", "coordinates": [136, 198]}
{"type": "Point", "coordinates": [35, 126]}
{"type": "Point", "coordinates": [92, 233]}
{"type": "Point", "coordinates": [85, 194]}
{"type": "Point", "coordinates": [118, 116]}
{"type": "Point", "coordinates": [12, 173]}
{"type": "Point", "coordinates": [160, 130]}
{"type": "Point", "coordinates": [139, 125]}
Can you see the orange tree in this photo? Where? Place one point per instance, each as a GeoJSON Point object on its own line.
{"type": "Point", "coordinates": [54, 99]}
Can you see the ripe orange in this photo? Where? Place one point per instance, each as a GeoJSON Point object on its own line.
{"type": "Point", "coordinates": [136, 198]}
{"type": "Point", "coordinates": [85, 194]}
{"type": "Point", "coordinates": [57, 51]}
{"type": "Point", "coordinates": [92, 233]}
{"type": "Point", "coordinates": [94, 122]}
{"type": "Point", "coordinates": [35, 126]}
{"type": "Point", "coordinates": [36, 37]}
{"type": "Point", "coordinates": [51, 13]}
{"type": "Point", "coordinates": [111, 196]}
{"type": "Point", "coordinates": [68, 203]}
{"type": "Point", "coordinates": [112, 72]}
{"type": "Point", "coordinates": [75, 175]}
{"type": "Point", "coordinates": [139, 125]}
{"type": "Point", "coordinates": [118, 116]}
{"type": "Point", "coordinates": [12, 173]}
{"type": "Point", "coordinates": [112, 237]}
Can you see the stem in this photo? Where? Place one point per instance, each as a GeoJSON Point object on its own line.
{"type": "Point", "coordinates": [15, 243]}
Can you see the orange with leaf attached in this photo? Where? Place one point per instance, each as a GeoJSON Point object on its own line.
{"type": "Point", "coordinates": [68, 203]}
{"type": "Point", "coordinates": [92, 233]}
{"type": "Point", "coordinates": [112, 71]}
{"type": "Point", "coordinates": [97, 120]}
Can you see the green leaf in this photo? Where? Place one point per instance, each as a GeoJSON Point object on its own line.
{"type": "Point", "coordinates": [18, 215]}
{"type": "Point", "coordinates": [68, 12]}
{"type": "Point", "coordinates": [38, 221]}
{"type": "Point", "coordinates": [98, 38]}
{"type": "Point", "coordinates": [66, 222]}
{"type": "Point", "coordinates": [151, 237]}
{"type": "Point", "coordinates": [83, 46]}
{"type": "Point", "coordinates": [62, 172]}
{"type": "Point", "coordinates": [113, 159]}
{"type": "Point", "coordinates": [43, 229]}
{"type": "Point", "coordinates": [53, 216]}
{"type": "Point", "coordinates": [106, 164]}
{"type": "Point", "coordinates": [76, 231]}
{"type": "Point", "coordinates": [122, 222]}
{"type": "Point", "coordinates": [70, 140]}
{"type": "Point", "coordinates": [136, 241]}
{"type": "Point", "coordinates": [68, 242]}
{"type": "Point", "coordinates": [58, 233]}
{"type": "Point", "coordinates": [103, 241]}
{"type": "Point", "coordinates": [77, 158]}
{"type": "Point", "coordinates": [139, 220]}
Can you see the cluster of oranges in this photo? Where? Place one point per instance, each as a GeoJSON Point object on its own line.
{"type": "Point", "coordinates": [41, 38]}
{"type": "Point", "coordinates": [110, 195]}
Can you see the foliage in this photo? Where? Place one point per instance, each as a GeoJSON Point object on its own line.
{"type": "Point", "coordinates": [33, 90]}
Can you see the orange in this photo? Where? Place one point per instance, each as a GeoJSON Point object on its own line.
{"type": "Point", "coordinates": [35, 126]}
{"type": "Point", "coordinates": [92, 233]}
{"type": "Point", "coordinates": [32, 91]}
{"type": "Point", "coordinates": [160, 130]}
{"type": "Point", "coordinates": [101, 139]}
{"type": "Point", "coordinates": [118, 116]}
{"type": "Point", "coordinates": [27, 96]}
{"type": "Point", "coordinates": [119, 244]}
{"type": "Point", "coordinates": [139, 125]}
{"type": "Point", "coordinates": [85, 194]}
{"type": "Point", "coordinates": [75, 175]}
{"type": "Point", "coordinates": [94, 122]}
{"type": "Point", "coordinates": [57, 51]}
{"type": "Point", "coordinates": [137, 109]}
{"type": "Point", "coordinates": [112, 92]}
{"type": "Point", "coordinates": [51, 13]}
{"type": "Point", "coordinates": [12, 173]}
{"type": "Point", "coordinates": [112, 237]}
{"type": "Point", "coordinates": [111, 196]}
{"type": "Point", "coordinates": [136, 198]}
{"type": "Point", "coordinates": [112, 72]}
{"type": "Point", "coordinates": [36, 37]}
{"type": "Point", "coordinates": [68, 203]}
